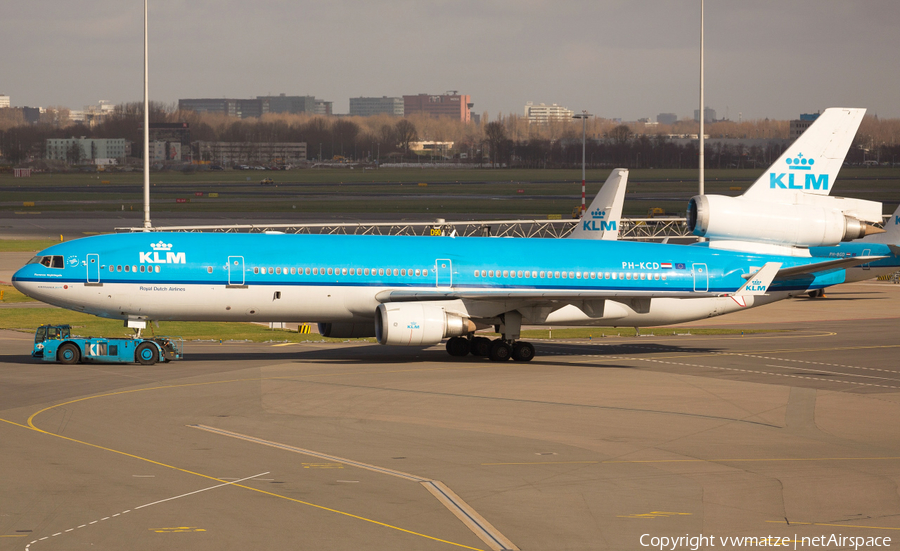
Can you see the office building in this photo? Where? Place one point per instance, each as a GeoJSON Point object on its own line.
{"type": "Point", "coordinates": [84, 150]}
{"type": "Point", "coordinates": [545, 114]}
{"type": "Point", "coordinates": [799, 126]}
{"type": "Point", "coordinates": [231, 153]}
{"type": "Point", "coordinates": [367, 107]}
{"type": "Point", "coordinates": [667, 118]}
{"type": "Point", "coordinates": [451, 104]}
{"type": "Point", "coordinates": [709, 115]}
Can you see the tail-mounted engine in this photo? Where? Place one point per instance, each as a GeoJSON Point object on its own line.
{"type": "Point", "coordinates": [826, 223]}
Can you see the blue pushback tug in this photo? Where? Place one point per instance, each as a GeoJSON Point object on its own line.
{"type": "Point", "coordinates": [54, 343]}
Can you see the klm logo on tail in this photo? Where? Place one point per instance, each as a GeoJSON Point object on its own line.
{"type": "Point", "coordinates": [800, 163]}
{"type": "Point", "coordinates": [169, 258]}
{"type": "Point", "coordinates": [598, 215]}
{"type": "Point", "coordinates": [756, 285]}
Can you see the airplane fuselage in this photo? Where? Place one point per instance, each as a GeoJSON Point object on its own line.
{"type": "Point", "coordinates": [320, 278]}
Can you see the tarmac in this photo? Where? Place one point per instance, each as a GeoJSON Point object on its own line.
{"type": "Point", "coordinates": [596, 444]}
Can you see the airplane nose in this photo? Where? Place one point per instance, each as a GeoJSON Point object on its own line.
{"type": "Point", "coordinates": [17, 281]}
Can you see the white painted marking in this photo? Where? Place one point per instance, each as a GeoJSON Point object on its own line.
{"type": "Point", "coordinates": [462, 510]}
{"type": "Point", "coordinates": [198, 491]}
{"type": "Point", "coordinates": [27, 547]}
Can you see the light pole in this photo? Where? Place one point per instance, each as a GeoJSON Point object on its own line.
{"type": "Point", "coordinates": [702, 107]}
{"type": "Point", "coordinates": [147, 224]}
{"type": "Point", "coordinates": [583, 116]}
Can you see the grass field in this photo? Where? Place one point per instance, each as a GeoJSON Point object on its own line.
{"type": "Point", "coordinates": [512, 192]}
{"type": "Point", "coordinates": [25, 245]}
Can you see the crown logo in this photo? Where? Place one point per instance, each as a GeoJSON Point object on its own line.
{"type": "Point", "coordinates": [160, 246]}
{"type": "Point", "coordinates": [598, 213]}
{"type": "Point", "coordinates": [800, 163]}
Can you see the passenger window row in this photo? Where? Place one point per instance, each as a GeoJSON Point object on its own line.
{"type": "Point", "coordinates": [143, 269]}
{"type": "Point", "coordinates": [403, 272]}
{"type": "Point", "coordinates": [511, 274]}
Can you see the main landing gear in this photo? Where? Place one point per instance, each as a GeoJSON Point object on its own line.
{"type": "Point", "coordinates": [498, 350]}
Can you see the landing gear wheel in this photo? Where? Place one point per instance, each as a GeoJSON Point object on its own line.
{"type": "Point", "coordinates": [68, 353]}
{"type": "Point", "coordinates": [523, 352]}
{"type": "Point", "coordinates": [458, 346]}
{"type": "Point", "coordinates": [818, 293]}
{"type": "Point", "coordinates": [146, 354]}
{"type": "Point", "coordinates": [500, 351]}
{"type": "Point", "coordinates": [481, 347]}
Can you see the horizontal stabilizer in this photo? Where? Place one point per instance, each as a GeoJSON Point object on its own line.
{"type": "Point", "coordinates": [821, 267]}
{"type": "Point", "coordinates": [760, 281]}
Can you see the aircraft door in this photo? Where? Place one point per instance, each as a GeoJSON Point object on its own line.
{"type": "Point", "coordinates": [93, 268]}
{"type": "Point", "coordinates": [866, 252]}
{"type": "Point", "coordinates": [701, 277]}
{"type": "Point", "coordinates": [235, 270]}
{"type": "Point", "coordinates": [444, 270]}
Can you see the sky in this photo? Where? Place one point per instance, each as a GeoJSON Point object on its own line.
{"type": "Point", "coordinates": [624, 59]}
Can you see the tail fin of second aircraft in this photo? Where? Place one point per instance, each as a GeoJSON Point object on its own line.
{"type": "Point", "coordinates": [811, 164]}
{"type": "Point", "coordinates": [602, 219]}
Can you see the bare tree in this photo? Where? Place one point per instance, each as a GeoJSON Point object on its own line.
{"type": "Point", "coordinates": [495, 135]}
{"type": "Point", "coordinates": [406, 133]}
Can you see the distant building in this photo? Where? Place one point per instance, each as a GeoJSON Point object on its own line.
{"type": "Point", "coordinates": [32, 115]}
{"type": "Point", "coordinates": [231, 153]}
{"type": "Point", "coordinates": [96, 114]}
{"type": "Point", "coordinates": [164, 151]}
{"type": "Point", "coordinates": [289, 104]}
{"type": "Point", "coordinates": [367, 107]}
{"type": "Point", "coordinates": [799, 126]}
{"type": "Point", "coordinates": [545, 114]}
{"type": "Point", "coordinates": [241, 108]}
{"type": "Point", "coordinates": [177, 132]}
{"type": "Point", "coordinates": [667, 118]}
{"type": "Point", "coordinates": [709, 115]}
{"type": "Point", "coordinates": [4, 101]}
{"type": "Point", "coordinates": [324, 107]}
{"type": "Point", "coordinates": [84, 150]}
{"type": "Point", "coordinates": [450, 104]}
{"type": "Point", "coordinates": [441, 149]}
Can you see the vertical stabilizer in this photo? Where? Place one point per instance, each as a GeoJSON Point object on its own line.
{"type": "Point", "coordinates": [811, 164]}
{"type": "Point", "coordinates": [602, 219]}
{"type": "Point", "coordinates": [891, 235]}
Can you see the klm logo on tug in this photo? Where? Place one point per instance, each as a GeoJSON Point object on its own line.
{"type": "Point", "coordinates": [810, 181]}
{"type": "Point", "coordinates": [591, 225]}
{"type": "Point", "coordinates": [169, 258]}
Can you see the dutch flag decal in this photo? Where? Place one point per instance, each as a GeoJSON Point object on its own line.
{"type": "Point", "coordinates": [666, 265]}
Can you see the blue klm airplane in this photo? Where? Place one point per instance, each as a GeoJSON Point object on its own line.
{"type": "Point", "coordinates": [413, 291]}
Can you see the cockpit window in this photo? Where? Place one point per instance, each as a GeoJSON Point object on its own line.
{"type": "Point", "coordinates": [49, 261]}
